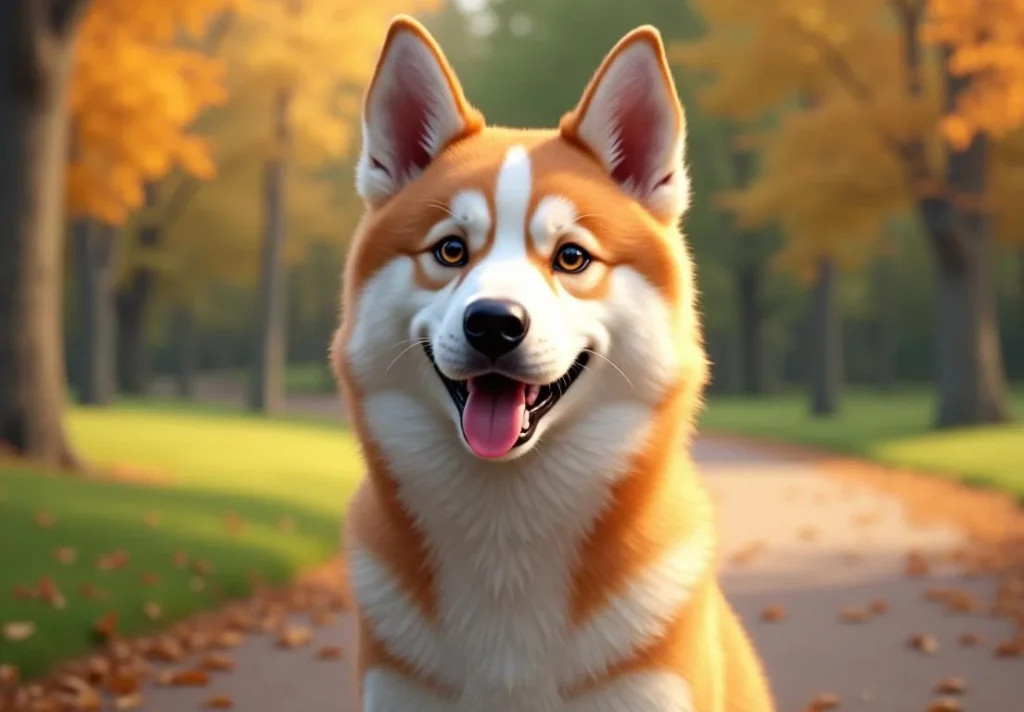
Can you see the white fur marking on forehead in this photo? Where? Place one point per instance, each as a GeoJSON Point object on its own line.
{"type": "Point", "coordinates": [553, 216]}
{"type": "Point", "coordinates": [512, 202]}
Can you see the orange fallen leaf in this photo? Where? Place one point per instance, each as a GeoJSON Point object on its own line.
{"type": "Point", "coordinates": [65, 554]}
{"type": "Point", "coordinates": [916, 565]}
{"type": "Point", "coordinates": [329, 652]}
{"type": "Point", "coordinates": [166, 650]}
{"type": "Point", "coordinates": [228, 639]}
{"type": "Point", "coordinates": [152, 519]}
{"type": "Point", "coordinates": [219, 702]}
{"type": "Point", "coordinates": [951, 686]}
{"type": "Point", "coordinates": [1009, 649]}
{"type": "Point", "coordinates": [217, 662]}
{"type": "Point", "coordinates": [132, 701]}
{"type": "Point", "coordinates": [149, 578]}
{"type": "Point", "coordinates": [323, 618]}
{"type": "Point", "coordinates": [203, 567]}
{"type": "Point", "coordinates": [180, 559]}
{"type": "Point", "coordinates": [106, 626]}
{"type": "Point", "coordinates": [153, 611]}
{"type": "Point", "coordinates": [855, 614]}
{"type": "Point", "coordinates": [9, 676]}
{"type": "Point", "coordinates": [944, 704]}
{"type": "Point", "coordinates": [17, 631]}
{"type": "Point", "coordinates": [294, 637]}
{"type": "Point", "coordinates": [44, 519]}
{"type": "Point", "coordinates": [186, 678]}
{"type": "Point", "coordinates": [923, 643]}
{"type": "Point", "coordinates": [773, 614]}
{"type": "Point", "coordinates": [823, 702]}
{"type": "Point", "coordinates": [879, 606]}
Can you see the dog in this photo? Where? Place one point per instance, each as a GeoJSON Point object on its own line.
{"type": "Point", "coordinates": [521, 357]}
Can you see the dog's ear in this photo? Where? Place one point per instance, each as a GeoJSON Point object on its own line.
{"type": "Point", "coordinates": [631, 120]}
{"type": "Point", "coordinates": [413, 109]}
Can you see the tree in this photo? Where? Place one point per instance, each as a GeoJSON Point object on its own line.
{"type": "Point", "coordinates": [300, 66]}
{"type": "Point", "coordinates": [143, 74]}
{"type": "Point", "coordinates": [911, 140]}
{"type": "Point", "coordinates": [38, 38]}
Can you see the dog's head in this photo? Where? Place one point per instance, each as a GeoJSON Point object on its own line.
{"type": "Point", "coordinates": [508, 282]}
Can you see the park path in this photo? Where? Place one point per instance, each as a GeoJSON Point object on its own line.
{"type": "Point", "coordinates": [796, 544]}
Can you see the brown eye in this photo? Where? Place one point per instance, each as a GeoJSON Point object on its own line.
{"type": "Point", "coordinates": [571, 259]}
{"type": "Point", "coordinates": [451, 252]}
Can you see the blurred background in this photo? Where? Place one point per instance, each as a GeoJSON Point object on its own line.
{"type": "Point", "coordinates": [176, 191]}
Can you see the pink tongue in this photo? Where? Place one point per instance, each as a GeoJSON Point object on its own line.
{"type": "Point", "coordinates": [493, 417]}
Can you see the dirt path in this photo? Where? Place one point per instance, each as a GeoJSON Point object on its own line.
{"type": "Point", "coordinates": [812, 546]}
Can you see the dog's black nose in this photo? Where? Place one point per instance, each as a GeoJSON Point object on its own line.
{"type": "Point", "coordinates": [495, 326]}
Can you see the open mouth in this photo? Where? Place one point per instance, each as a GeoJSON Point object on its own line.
{"type": "Point", "coordinates": [499, 413]}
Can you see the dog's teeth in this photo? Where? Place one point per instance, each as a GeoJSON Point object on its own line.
{"type": "Point", "coordinates": [531, 395]}
{"type": "Point", "coordinates": [526, 419]}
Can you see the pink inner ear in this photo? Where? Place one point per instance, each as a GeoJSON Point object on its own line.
{"type": "Point", "coordinates": [408, 108]}
{"type": "Point", "coordinates": [638, 122]}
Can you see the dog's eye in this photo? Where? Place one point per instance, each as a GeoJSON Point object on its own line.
{"type": "Point", "coordinates": [451, 252]}
{"type": "Point", "coordinates": [571, 259]}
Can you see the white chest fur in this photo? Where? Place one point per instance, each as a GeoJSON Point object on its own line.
{"type": "Point", "coordinates": [504, 546]}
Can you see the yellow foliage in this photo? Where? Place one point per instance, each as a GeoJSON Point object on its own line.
{"type": "Point", "coordinates": [322, 52]}
{"type": "Point", "coordinates": [135, 91]}
{"type": "Point", "coordinates": [834, 168]}
{"type": "Point", "coordinates": [986, 43]}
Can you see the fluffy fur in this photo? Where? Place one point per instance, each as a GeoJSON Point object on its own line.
{"type": "Point", "coordinates": [576, 573]}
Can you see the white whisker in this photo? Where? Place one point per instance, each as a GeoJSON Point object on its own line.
{"type": "Point", "coordinates": [612, 363]}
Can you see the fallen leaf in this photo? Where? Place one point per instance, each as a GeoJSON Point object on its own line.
{"type": "Point", "coordinates": [186, 678]}
{"type": "Point", "coordinates": [219, 702]}
{"type": "Point", "coordinates": [180, 559]}
{"type": "Point", "coordinates": [951, 686]}
{"type": "Point", "coordinates": [44, 519]}
{"type": "Point", "coordinates": [90, 592]}
{"type": "Point", "coordinates": [17, 631]}
{"type": "Point", "coordinates": [48, 591]}
{"type": "Point", "coordinates": [23, 593]}
{"type": "Point", "coordinates": [128, 702]}
{"type": "Point", "coordinates": [153, 611]}
{"type": "Point", "coordinates": [65, 554]}
{"type": "Point", "coordinates": [854, 614]}
{"type": "Point", "coordinates": [233, 523]}
{"type": "Point", "coordinates": [152, 519]}
{"type": "Point", "coordinates": [323, 618]}
{"type": "Point", "coordinates": [106, 626]}
{"type": "Point", "coordinates": [923, 643]}
{"type": "Point", "coordinates": [9, 676]}
{"type": "Point", "coordinates": [329, 652]}
{"type": "Point", "coordinates": [1009, 649]}
{"type": "Point", "coordinates": [916, 565]}
{"type": "Point", "coordinates": [879, 606]}
{"type": "Point", "coordinates": [228, 639]}
{"type": "Point", "coordinates": [823, 702]}
{"type": "Point", "coordinates": [166, 650]}
{"type": "Point", "coordinates": [294, 637]}
{"type": "Point", "coordinates": [217, 662]}
{"type": "Point", "coordinates": [203, 567]}
{"type": "Point", "coordinates": [79, 694]}
{"type": "Point", "coordinates": [149, 578]}
{"type": "Point", "coordinates": [944, 704]}
{"type": "Point", "coordinates": [773, 614]}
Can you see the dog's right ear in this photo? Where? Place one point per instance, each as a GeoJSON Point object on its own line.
{"type": "Point", "coordinates": [413, 109]}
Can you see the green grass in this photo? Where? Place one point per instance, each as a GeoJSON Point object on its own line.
{"type": "Point", "coordinates": [219, 462]}
{"type": "Point", "coordinates": [891, 428]}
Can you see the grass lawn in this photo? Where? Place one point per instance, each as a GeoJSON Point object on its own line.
{"type": "Point", "coordinates": [239, 493]}
{"type": "Point", "coordinates": [891, 428]}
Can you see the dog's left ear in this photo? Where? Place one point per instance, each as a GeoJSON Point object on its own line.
{"type": "Point", "coordinates": [631, 120]}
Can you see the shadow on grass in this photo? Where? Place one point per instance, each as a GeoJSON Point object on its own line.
{"type": "Point", "coordinates": [239, 534]}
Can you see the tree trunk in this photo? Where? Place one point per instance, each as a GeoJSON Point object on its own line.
{"type": "Point", "coordinates": [37, 39]}
{"type": "Point", "coordinates": [885, 332]}
{"type": "Point", "coordinates": [972, 385]}
{"type": "Point", "coordinates": [826, 352]}
{"type": "Point", "coordinates": [267, 387]}
{"type": "Point", "coordinates": [133, 304]}
{"type": "Point", "coordinates": [749, 282]}
{"type": "Point", "coordinates": [94, 253]}
{"type": "Point", "coordinates": [184, 335]}
{"type": "Point", "coordinates": [971, 377]}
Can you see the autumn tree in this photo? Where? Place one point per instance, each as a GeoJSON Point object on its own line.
{"type": "Point", "coordinates": [890, 130]}
{"type": "Point", "coordinates": [141, 77]}
{"type": "Point", "coordinates": [299, 66]}
{"type": "Point", "coordinates": [37, 37]}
